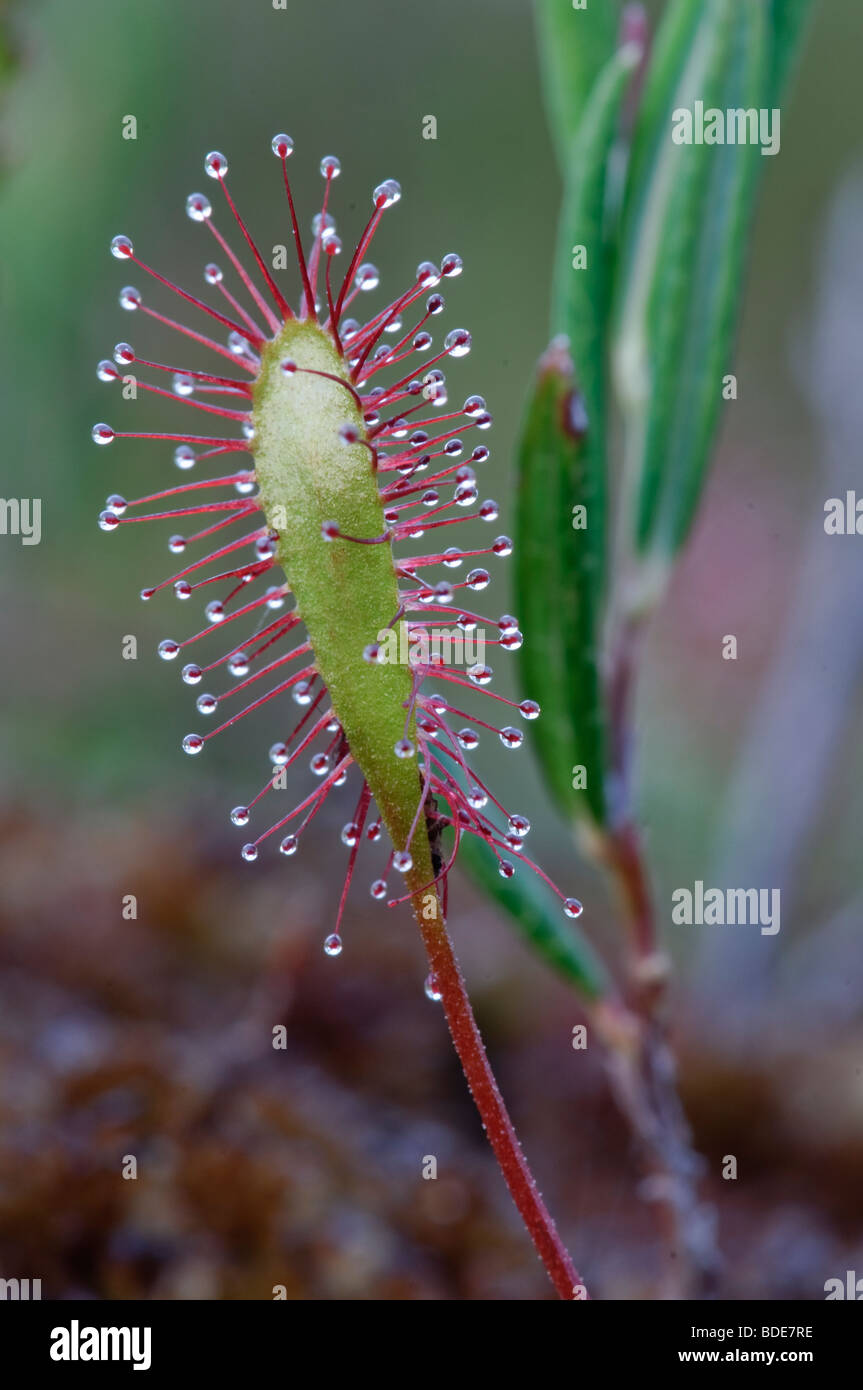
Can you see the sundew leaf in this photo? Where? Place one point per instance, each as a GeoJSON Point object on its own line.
{"type": "Point", "coordinates": [573, 47]}
{"type": "Point", "coordinates": [535, 913]}
{"type": "Point", "coordinates": [687, 217]}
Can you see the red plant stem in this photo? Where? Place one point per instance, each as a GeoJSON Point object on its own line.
{"type": "Point", "coordinates": [492, 1111]}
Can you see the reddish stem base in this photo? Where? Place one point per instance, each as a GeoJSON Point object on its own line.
{"type": "Point", "coordinates": [493, 1113]}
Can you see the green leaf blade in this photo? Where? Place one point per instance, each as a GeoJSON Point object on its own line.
{"type": "Point", "coordinates": [536, 914]}
{"type": "Point", "coordinates": [573, 47]}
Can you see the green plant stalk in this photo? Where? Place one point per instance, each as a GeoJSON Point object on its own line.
{"type": "Point", "coordinates": [346, 594]}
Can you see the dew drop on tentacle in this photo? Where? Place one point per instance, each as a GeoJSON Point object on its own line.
{"type": "Point", "coordinates": [206, 704]}
{"type": "Point", "coordinates": [386, 194]}
{"type": "Point", "coordinates": [572, 907]}
{"type": "Point", "coordinates": [368, 277]}
{"type": "Point", "coordinates": [192, 673]}
{"type": "Point", "coordinates": [457, 342]}
{"type": "Point", "coordinates": [333, 945]}
{"type": "Point", "coordinates": [192, 743]}
{"type": "Point", "coordinates": [350, 834]}
{"type": "Point", "coordinates": [402, 861]}
{"type": "Point", "coordinates": [289, 845]}
{"type": "Point", "coordinates": [404, 748]}
{"type": "Point", "coordinates": [183, 589]}
{"type": "Point", "coordinates": [198, 208]}
{"type": "Point", "coordinates": [216, 165]}
{"type": "Point", "coordinates": [108, 520]}
{"type": "Point", "coordinates": [102, 434]}
{"type": "Point", "coordinates": [510, 737]}
{"type": "Point", "coordinates": [184, 456]}
{"type": "Point", "coordinates": [130, 298]}
{"type": "Point", "coordinates": [240, 815]}
{"type": "Point", "coordinates": [249, 853]}
{"type": "Point", "coordinates": [432, 989]}
{"type": "Point", "coordinates": [168, 649]}
{"type": "Point", "coordinates": [122, 248]}
{"type": "Point", "coordinates": [529, 709]}
{"type": "Point", "coordinates": [282, 146]}
{"type": "Point", "coordinates": [378, 889]}
{"type": "Point", "coordinates": [106, 371]}
{"type": "Point", "coordinates": [505, 868]}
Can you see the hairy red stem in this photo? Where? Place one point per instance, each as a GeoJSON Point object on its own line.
{"type": "Point", "coordinates": [492, 1110]}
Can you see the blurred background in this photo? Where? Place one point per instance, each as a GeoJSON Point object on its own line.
{"type": "Point", "coordinates": [152, 1037]}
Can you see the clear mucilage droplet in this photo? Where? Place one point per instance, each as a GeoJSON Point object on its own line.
{"type": "Point", "coordinates": [216, 165]}
{"type": "Point", "coordinates": [457, 342]}
{"type": "Point", "coordinates": [368, 277]}
{"type": "Point", "coordinates": [198, 207]}
{"type": "Point", "coordinates": [386, 194]}
{"type": "Point", "coordinates": [432, 989]}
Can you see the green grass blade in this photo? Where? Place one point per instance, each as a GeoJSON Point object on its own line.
{"type": "Point", "coordinates": [788, 20]}
{"type": "Point", "coordinates": [562, 467]}
{"type": "Point", "coordinates": [688, 213]}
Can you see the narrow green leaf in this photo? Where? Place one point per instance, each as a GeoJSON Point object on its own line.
{"type": "Point", "coordinates": [536, 915]}
{"type": "Point", "coordinates": [687, 218]}
{"type": "Point", "coordinates": [556, 570]}
{"type": "Point", "coordinates": [562, 467]}
{"type": "Point", "coordinates": [573, 46]}
{"type": "Point", "coordinates": [788, 19]}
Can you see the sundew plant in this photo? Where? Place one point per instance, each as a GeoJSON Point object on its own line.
{"type": "Point", "coordinates": [329, 463]}
{"type": "Point", "coordinates": [351, 454]}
